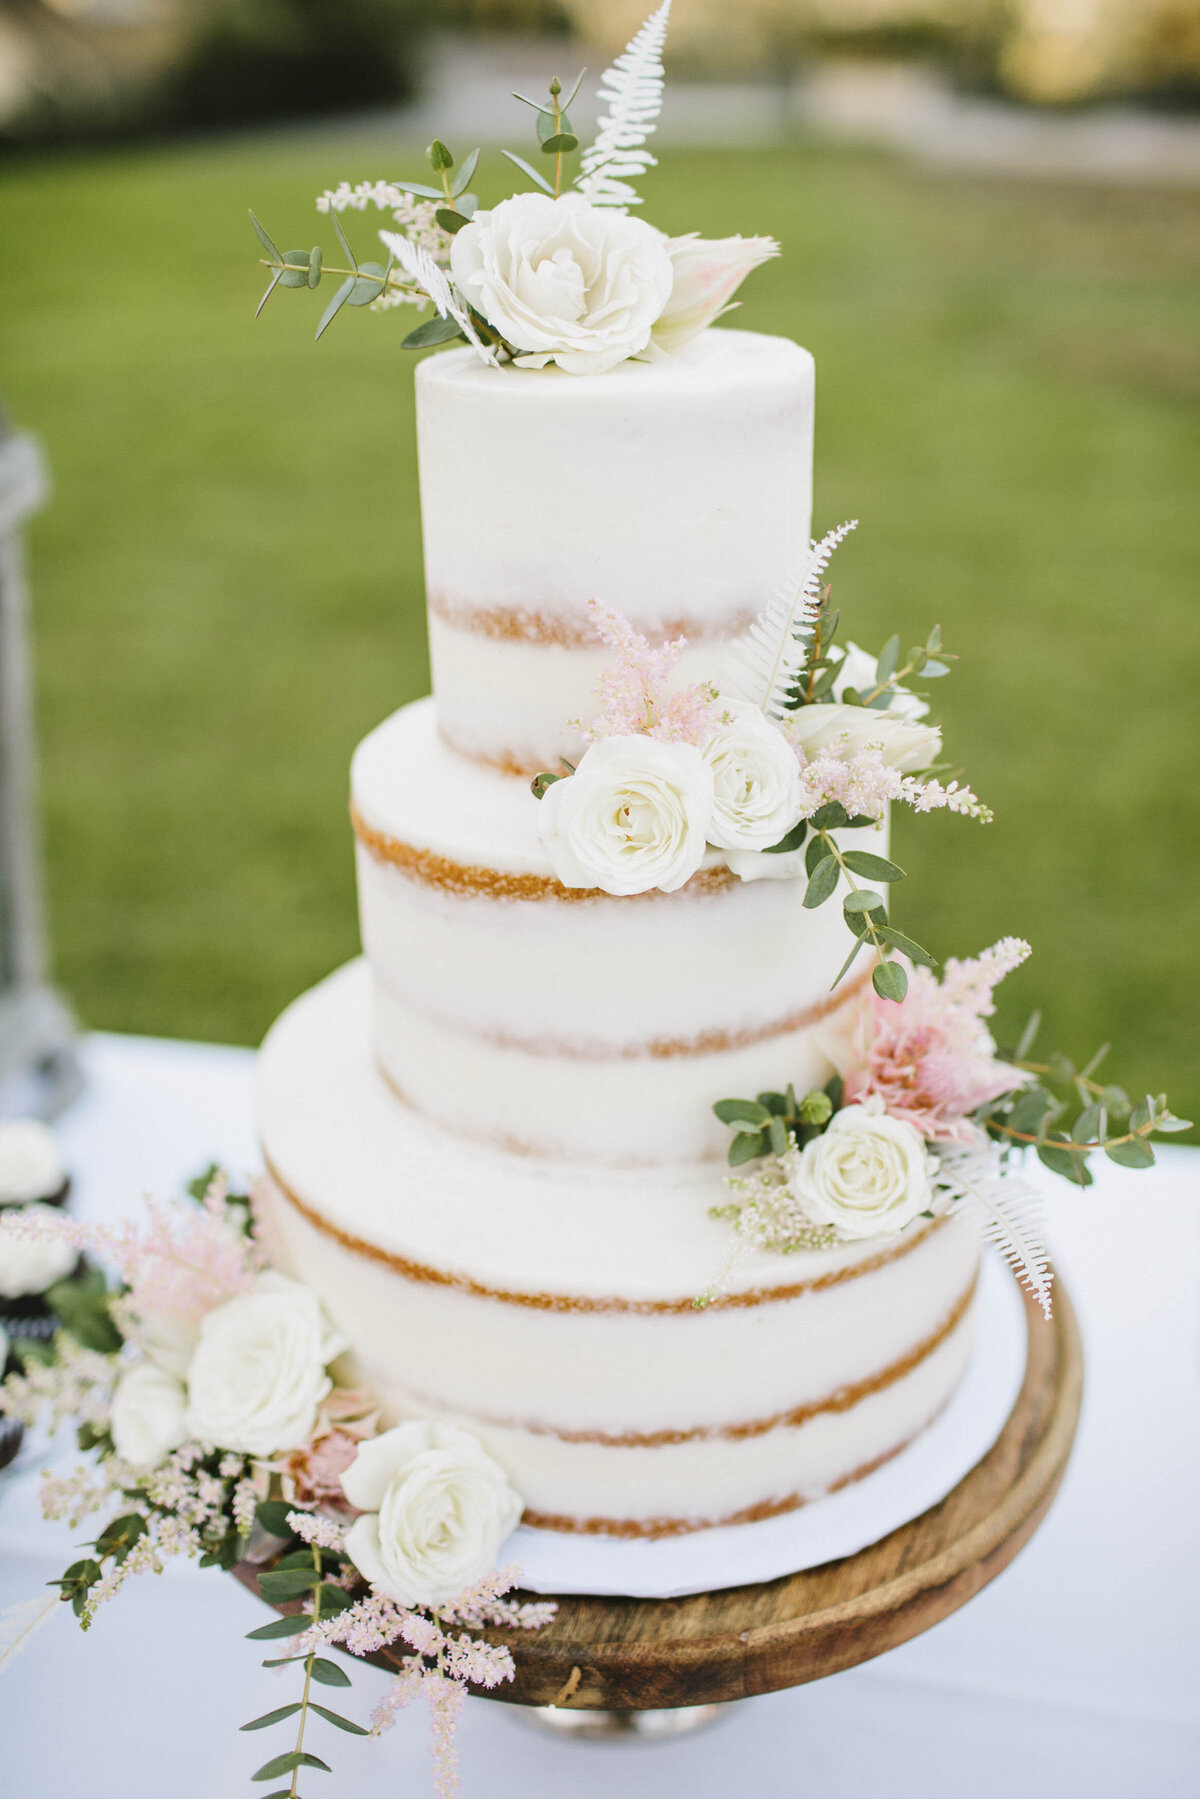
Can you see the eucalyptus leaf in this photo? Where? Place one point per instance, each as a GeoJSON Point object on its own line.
{"type": "Point", "coordinates": [906, 946]}
{"type": "Point", "coordinates": [777, 1131]}
{"type": "Point", "coordinates": [433, 331]}
{"type": "Point", "coordinates": [822, 882]}
{"type": "Point", "coordinates": [336, 1718]}
{"type": "Point", "coordinates": [746, 1146]}
{"type": "Point", "coordinates": [864, 899]}
{"type": "Point", "coordinates": [560, 143]}
{"type": "Point", "coordinates": [934, 670]}
{"type": "Point", "coordinates": [275, 1717]}
{"type": "Point", "coordinates": [741, 1111]}
{"type": "Point", "coordinates": [369, 286]}
{"type": "Point", "coordinates": [816, 852]}
{"type": "Point", "coordinates": [1028, 1035]}
{"type": "Point", "coordinates": [271, 286]}
{"type": "Point", "coordinates": [438, 155]}
{"type": "Point", "coordinates": [295, 270]}
{"type": "Point", "coordinates": [344, 241]}
{"type": "Point", "coordinates": [1028, 1112]}
{"type": "Point", "coordinates": [889, 660]}
{"type": "Point", "coordinates": [285, 1764]}
{"type": "Point", "coordinates": [792, 841]}
{"type": "Point", "coordinates": [265, 241]}
{"type": "Point", "coordinates": [1136, 1153]}
{"type": "Point", "coordinates": [526, 169]}
{"type": "Point", "coordinates": [280, 1627]}
{"type": "Point", "coordinates": [1064, 1162]}
{"type": "Point", "coordinates": [889, 980]}
{"type": "Point", "coordinates": [450, 220]}
{"type": "Point", "coordinates": [1088, 1126]}
{"type": "Point", "coordinates": [272, 1515]}
{"type": "Point", "coordinates": [328, 1674]}
{"type": "Point", "coordinates": [875, 868]}
{"type": "Point", "coordinates": [421, 192]}
{"type": "Point", "coordinates": [463, 179]}
{"type": "Point", "coordinates": [831, 817]}
{"type": "Point", "coordinates": [288, 1583]}
{"type": "Point", "coordinates": [314, 266]}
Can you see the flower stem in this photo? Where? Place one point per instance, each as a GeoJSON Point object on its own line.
{"type": "Point", "coordinates": [293, 1790]}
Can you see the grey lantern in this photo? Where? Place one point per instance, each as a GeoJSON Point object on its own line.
{"type": "Point", "coordinates": [39, 1070]}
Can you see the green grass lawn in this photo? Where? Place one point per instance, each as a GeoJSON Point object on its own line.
{"type": "Point", "coordinates": [228, 583]}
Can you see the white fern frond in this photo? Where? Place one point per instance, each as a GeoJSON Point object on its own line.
{"type": "Point", "coordinates": [20, 1623]}
{"type": "Point", "coordinates": [1009, 1208]}
{"type": "Point", "coordinates": [765, 664]}
{"type": "Point", "coordinates": [632, 90]}
{"type": "Point", "coordinates": [420, 267]}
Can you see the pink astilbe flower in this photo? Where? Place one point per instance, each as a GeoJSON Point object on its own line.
{"type": "Point", "coordinates": [931, 1059]}
{"type": "Point", "coordinates": [633, 690]}
{"type": "Point", "coordinates": [864, 784]}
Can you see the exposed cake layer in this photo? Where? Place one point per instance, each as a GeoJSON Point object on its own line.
{"type": "Point", "coordinates": [567, 1024]}
{"type": "Point", "coordinates": [678, 492]}
{"type": "Point", "coordinates": [553, 1312]}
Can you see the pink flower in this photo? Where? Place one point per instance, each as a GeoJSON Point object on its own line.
{"type": "Point", "coordinates": [633, 690]}
{"type": "Point", "coordinates": [930, 1059]}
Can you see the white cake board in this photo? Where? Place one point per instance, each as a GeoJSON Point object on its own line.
{"type": "Point", "coordinates": [825, 1529]}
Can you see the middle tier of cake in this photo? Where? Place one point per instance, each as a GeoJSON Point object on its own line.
{"type": "Point", "coordinates": [567, 1023]}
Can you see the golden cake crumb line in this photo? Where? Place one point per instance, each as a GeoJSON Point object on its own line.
{"type": "Point", "coordinates": [503, 762]}
{"type": "Point", "coordinates": [433, 870]}
{"type": "Point", "coordinates": [682, 1527]}
{"type": "Point", "coordinates": [575, 631]}
{"type": "Point", "coordinates": [842, 1399]}
{"type": "Point", "coordinates": [578, 1302]}
{"type": "Point", "coordinates": [655, 1049]}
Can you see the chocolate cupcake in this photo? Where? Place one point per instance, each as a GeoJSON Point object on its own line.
{"type": "Point", "coordinates": [29, 1267]}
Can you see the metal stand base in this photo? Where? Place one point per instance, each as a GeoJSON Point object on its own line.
{"type": "Point", "coordinates": [39, 1068]}
{"type": "Point", "coordinates": [612, 1727]}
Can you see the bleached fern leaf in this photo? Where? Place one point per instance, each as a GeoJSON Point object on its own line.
{"type": "Point", "coordinates": [420, 267]}
{"type": "Point", "coordinates": [632, 90]}
{"type": "Point", "coordinates": [21, 1623]}
{"type": "Point", "coordinates": [765, 664]}
{"type": "Point", "coordinates": [1008, 1207]}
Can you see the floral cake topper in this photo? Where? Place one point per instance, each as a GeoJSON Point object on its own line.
{"type": "Point", "coordinates": [562, 275]}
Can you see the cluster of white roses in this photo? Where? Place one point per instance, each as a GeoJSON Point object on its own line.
{"type": "Point", "coordinates": [586, 287]}
{"type": "Point", "coordinates": [641, 812]}
{"type": "Point", "coordinates": [251, 1377]}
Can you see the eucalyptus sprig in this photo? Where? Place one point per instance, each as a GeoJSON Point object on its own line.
{"type": "Point", "coordinates": [556, 134]}
{"type": "Point", "coordinates": [1035, 1116]}
{"type": "Point", "coordinates": [864, 908]}
{"type": "Point", "coordinates": [300, 1572]}
{"type": "Point", "coordinates": [773, 1123]}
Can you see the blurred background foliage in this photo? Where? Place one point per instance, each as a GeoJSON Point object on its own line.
{"type": "Point", "coordinates": [115, 68]}
{"type": "Point", "coordinates": [228, 589]}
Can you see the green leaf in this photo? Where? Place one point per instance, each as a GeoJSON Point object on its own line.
{"type": "Point", "coordinates": [463, 179]}
{"type": "Point", "coordinates": [439, 157]}
{"type": "Point", "coordinates": [875, 868]}
{"type": "Point", "coordinates": [280, 1627]}
{"type": "Point", "coordinates": [777, 1131]}
{"type": "Point", "coordinates": [1137, 1153]}
{"type": "Point", "coordinates": [284, 1764]}
{"type": "Point", "coordinates": [1063, 1162]}
{"type": "Point", "coordinates": [792, 841]}
{"type": "Point", "coordinates": [433, 331]}
{"type": "Point", "coordinates": [451, 220]}
{"type": "Point", "coordinates": [355, 1730]}
{"type": "Point", "coordinates": [314, 266]}
{"type": "Point", "coordinates": [335, 305]}
{"type": "Point", "coordinates": [822, 882]}
{"type": "Point", "coordinates": [816, 1107]}
{"type": "Point", "coordinates": [1141, 1115]}
{"type": "Point", "coordinates": [422, 193]}
{"type": "Point", "coordinates": [300, 1558]}
{"type": "Point", "coordinates": [328, 1673]}
{"type": "Point", "coordinates": [288, 1583]}
{"type": "Point", "coordinates": [906, 946]}
{"type": "Point", "coordinates": [369, 286]}
{"type": "Point", "coordinates": [933, 671]}
{"type": "Point", "coordinates": [816, 852]}
{"type": "Point", "coordinates": [1029, 1111]}
{"type": "Point", "coordinates": [265, 241]}
{"type": "Point", "coordinates": [843, 971]}
{"type": "Point", "coordinates": [889, 661]}
{"type": "Point", "coordinates": [933, 642]}
{"type": "Point", "coordinates": [272, 1514]}
{"type": "Point", "coordinates": [560, 143]}
{"type": "Point", "coordinates": [1171, 1124]}
{"type": "Point", "coordinates": [334, 1599]}
{"type": "Point", "coordinates": [295, 269]}
{"type": "Point", "coordinates": [889, 980]}
{"type": "Point", "coordinates": [276, 1717]}
{"type": "Point", "coordinates": [1089, 1126]}
{"type": "Point", "coordinates": [747, 1146]}
{"type": "Point", "coordinates": [31, 1351]}
{"type": "Point", "coordinates": [741, 1111]}
{"type": "Point", "coordinates": [863, 900]}
{"type": "Point", "coordinates": [532, 173]}
{"type": "Point", "coordinates": [548, 128]}
{"type": "Point", "coordinates": [831, 817]}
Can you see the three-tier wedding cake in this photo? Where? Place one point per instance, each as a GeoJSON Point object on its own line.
{"type": "Point", "coordinates": [491, 1144]}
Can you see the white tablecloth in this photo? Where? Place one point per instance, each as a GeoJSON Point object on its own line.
{"type": "Point", "coordinates": [1077, 1672]}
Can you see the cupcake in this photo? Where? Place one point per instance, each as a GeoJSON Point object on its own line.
{"type": "Point", "coordinates": [30, 1166]}
{"type": "Point", "coordinates": [11, 1431]}
{"type": "Point", "coordinates": [29, 1267]}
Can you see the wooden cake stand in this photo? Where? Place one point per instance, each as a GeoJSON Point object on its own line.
{"type": "Point", "coordinates": [625, 1658]}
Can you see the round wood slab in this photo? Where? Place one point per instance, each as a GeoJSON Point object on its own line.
{"type": "Point", "coordinates": [643, 1654]}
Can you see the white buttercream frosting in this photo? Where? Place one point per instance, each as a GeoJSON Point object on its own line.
{"type": "Point", "coordinates": [30, 1165]}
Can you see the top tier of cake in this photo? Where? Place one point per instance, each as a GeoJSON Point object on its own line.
{"type": "Point", "coordinates": [678, 492]}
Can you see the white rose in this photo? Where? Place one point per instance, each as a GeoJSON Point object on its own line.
{"type": "Point", "coordinates": [30, 1167]}
{"type": "Point", "coordinates": [844, 730]}
{"type": "Point", "coordinates": [707, 272]}
{"type": "Point", "coordinates": [634, 815]}
{"type": "Point", "coordinates": [30, 1264]}
{"type": "Point", "coordinates": [868, 1175]}
{"type": "Point", "coordinates": [258, 1373]}
{"type": "Point", "coordinates": [437, 1510]}
{"type": "Point", "coordinates": [756, 781]}
{"type": "Point", "coordinates": [169, 1342]}
{"type": "Point", "coordinates": [563, 281]}
{"type": "Point", "coordinates": [148, 1416]}
{"type": "Point", "coordinates": [860, 670]}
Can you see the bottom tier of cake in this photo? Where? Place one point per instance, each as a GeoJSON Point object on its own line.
{"type": "Point", "coordinates": [553, 1312]}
